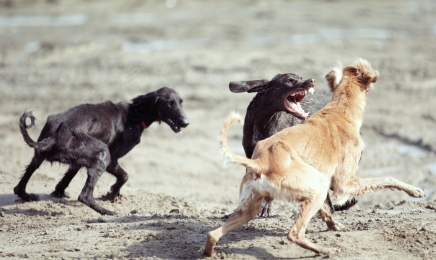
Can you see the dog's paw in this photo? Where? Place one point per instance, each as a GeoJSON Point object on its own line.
{"type": "Point", "coordinates": [329, 251]}
{"type": "Point", "coordinates": [60, 194]}
{"type": "Point", "coordinates": [416, 192]}
{"type": "Point", "coordinates": [24, 195]}
{"type": "Point", "coordinates": [208, 253]}
{"type": "Point", "coordinates": [107, 212]}
{"type": "Point", "coordinates": [111, 197]}
{"type": "Point", "coordinates": [211, 241]}
{"type": "Point", "coordinates": [337, 226]}
{"type": "Point", "coordinates": [29, 197]}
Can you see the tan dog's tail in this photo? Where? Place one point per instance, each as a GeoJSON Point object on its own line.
{"type": "Point", "coordinates": [225, 149]}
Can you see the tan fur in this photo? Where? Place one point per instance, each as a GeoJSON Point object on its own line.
{"type": "Point", "coordinates": [300, 163]}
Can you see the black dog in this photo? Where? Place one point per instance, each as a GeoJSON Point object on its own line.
{"type": "Point", "coordinates": [279, 103]}
{"type": "Point", "coordinates": [95, 136]}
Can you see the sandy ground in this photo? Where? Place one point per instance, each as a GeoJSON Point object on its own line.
{"type": "Point", "coordinates": [57, 54]}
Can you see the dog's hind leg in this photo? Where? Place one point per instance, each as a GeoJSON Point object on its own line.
{"type": "Point", "coordinates": [20, 189]}
{"type": "Point", "coordinates": [309, 207]}
{"type": "Point", "coordinates": [122, 178]}
{"type": "Point", "coordinates": [59, 191]}
{"type": "Point", "coordinates": [306, 184]}
{"type": "Point", "coordinates": [94, 155]}
{"type": "Point", "coordinates": [246, 211]}
{"type": "Point", "coordinates": [356, 187]}
{"type": "Point", "coordinates": [94, 173]}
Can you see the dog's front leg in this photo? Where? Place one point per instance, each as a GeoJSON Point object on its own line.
{"type": "Point", "coordinates": [95, 170]}
{"type": "Point", "coordinates": [122, 178]}
{"type": "Point", "coordinates": [326, 215]}
{"type": "Point", "coordinates": [86, 196]}
{"type": "Point", "coordinates": [309, 207]}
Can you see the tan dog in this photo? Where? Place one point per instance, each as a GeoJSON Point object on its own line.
{"type": "Point", "coordinates": [302, 162]}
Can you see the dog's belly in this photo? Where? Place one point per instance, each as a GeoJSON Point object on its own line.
{"type": "Point", "coordinates": [267, 189]}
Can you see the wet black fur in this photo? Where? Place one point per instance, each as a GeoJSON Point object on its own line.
{"type": "Point", "coordinates": [95, 136]}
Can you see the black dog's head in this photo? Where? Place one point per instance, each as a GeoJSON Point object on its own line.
{"type": "Point", "coordinates": [283, 93]}
{"type": "Point", "coordinates": [164, 104]}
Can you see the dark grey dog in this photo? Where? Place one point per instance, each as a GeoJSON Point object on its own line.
{"type": "Point", "coordinates": [279, 103]}
{"type": "Point", "coordinates": [95, 136]}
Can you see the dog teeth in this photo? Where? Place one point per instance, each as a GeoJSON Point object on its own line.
{"type": "Point", "coordinates": [303, 92]}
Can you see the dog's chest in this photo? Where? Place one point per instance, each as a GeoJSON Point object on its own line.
{"type": "Point", "coordinates": [126, 142]}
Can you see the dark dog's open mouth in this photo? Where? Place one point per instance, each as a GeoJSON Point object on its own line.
{"type": "Point", "coordinates": [293, 102]}
{"type": "Point", "coordinates": [175, 127]}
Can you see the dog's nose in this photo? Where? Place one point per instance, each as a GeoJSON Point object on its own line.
{"type": "Point", "coordinates": [184, 122]}
{"type": "Point", "coordinates": [311, 82]}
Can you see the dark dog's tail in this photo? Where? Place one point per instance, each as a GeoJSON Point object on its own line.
{"type": "Point", "coordinates": [350, 203]}
{"type": "Point", "coordinates": [44, 145]}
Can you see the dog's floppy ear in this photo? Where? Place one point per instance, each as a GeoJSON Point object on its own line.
{"type": "Point", "coordinates": [248, 86]}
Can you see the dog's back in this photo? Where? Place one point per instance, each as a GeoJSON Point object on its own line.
{"type": "Point", "coordinates": [100, 121]}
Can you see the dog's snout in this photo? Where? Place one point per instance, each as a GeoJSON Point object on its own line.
{"type": "Point", "coordinates": [184, 122]}
{"type": "Point", "coordinates": [311, 82]}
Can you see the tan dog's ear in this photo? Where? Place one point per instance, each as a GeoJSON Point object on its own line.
{"type": "Point", "coordinates": [353, 70]}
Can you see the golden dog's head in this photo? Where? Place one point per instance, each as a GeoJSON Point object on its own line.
{"type": "Point", "coordinates": [360, 72]}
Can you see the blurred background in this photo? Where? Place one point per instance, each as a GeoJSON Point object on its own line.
{"type": "Point", "coordinates": [56, 54]}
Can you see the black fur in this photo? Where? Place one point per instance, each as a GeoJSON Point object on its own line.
{"type": "Point", "coordinates": [95, 136]}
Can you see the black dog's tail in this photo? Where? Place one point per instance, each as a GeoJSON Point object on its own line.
{"type": "Point", "coordinates": [350, 203]}
{"type": "Point", "coordinates": [44, 145]}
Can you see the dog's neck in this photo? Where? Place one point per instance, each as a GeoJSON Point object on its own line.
{"type": "Point", "coordinates": [144, 120]}
{"type": "Point", "coordinates": [349, 96]}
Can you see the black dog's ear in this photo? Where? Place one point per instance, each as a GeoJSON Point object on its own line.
{"type": "Point", "coordinates": [248, 86]}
